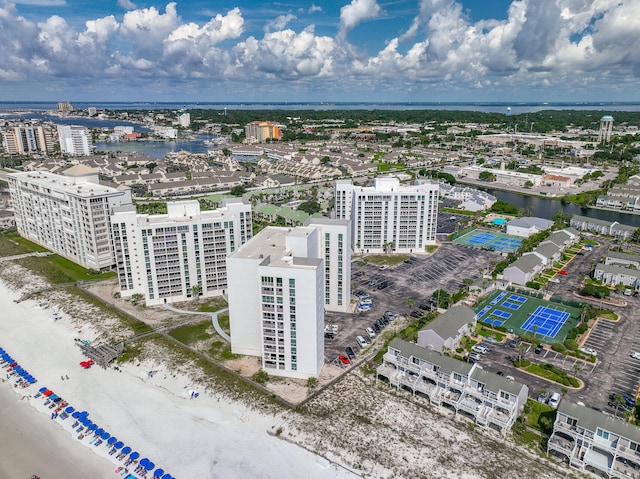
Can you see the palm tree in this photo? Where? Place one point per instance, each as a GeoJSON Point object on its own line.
{"type": "Point", "coordinates": [618, 401]}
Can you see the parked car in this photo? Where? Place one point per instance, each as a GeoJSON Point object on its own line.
{"type": "Point", "coordinates": [554, 399]}
{"type": "Point", "coordinates": [514, 343]}
{"type": "Point", "coordinates": [563, 271]}
{"type": "Point", "coordinates": [417, 314]}
{"type": "Point", "coordinates": [635, 354]}
{"type": "Point", "coordinates": [344, 360]}
{"type": "Point", "coordinates": [479, 348]}
{"type": "Point", "coordinates": [475, 357]}
{"type": "Point", "coordinates": [490, 339]}
{"type": "Point", "coordinates": [554, 280]}
{"type": "Point", "coordinates": [586, 350]}
{"type": "Point", "coordinates": [538, 349]}
{"type": "Point", "coordinates": [376, 327]}
{"type": "Point", "coordinates": [383, 285]}
{"type": "Point", "coordinates": [350, 354]}
{"type": "Point", "coordinates": [371, 332]}
{"type": "Point", "coordinates": [363, 343]}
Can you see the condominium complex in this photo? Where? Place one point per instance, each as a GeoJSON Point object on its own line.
{"type": "Point", "coordinates": [261, 131]}
{"type": "Point", "coordinates": [68, 213]}
{"type": "Point", "coordinates": [388, 217]}
{"type": "Point", "coordinates": [591, 441]}
{"type": "Point", "coordinates": [180, 255]}
{"type": "Point", "coordinates": [487, 398]}
{"type": "Point", "coordinates": [278, 295]}
{"type": "Point", "coordinates": [74, 140]}
{"type": "Point", "coordinates": [27, 139]}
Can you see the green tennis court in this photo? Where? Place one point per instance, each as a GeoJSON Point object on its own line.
{"type": "Point", "coordinates": [525, 314]}
{"type": "Point", "coordinates": [491, 240]}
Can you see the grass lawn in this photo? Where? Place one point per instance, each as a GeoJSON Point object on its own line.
{"type": "Point", "coordinates": [212, 305]}
{"type": "Point", "coordinates": [552, 373]}
{"type": "Point", "coordinates": [59, 270]}
{"type": "Point", "coordinates": [386, 259]}
{"type": "Point", "coordinates": [11, 244]}
{"type": "Point", "coordinates": [192, 333]}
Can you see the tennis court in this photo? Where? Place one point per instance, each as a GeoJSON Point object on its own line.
{"type": "Point", "coordinates": [490, 240]}
{"type": "Point", "coordinates": [546, 321]}
{"type": "Point", "coordinates": [523, 314]}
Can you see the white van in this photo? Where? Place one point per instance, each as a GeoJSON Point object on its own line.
{"type": "Point", "coordinates": [362, 342]}
{"type": "Point", "coordinates": [554, 400]}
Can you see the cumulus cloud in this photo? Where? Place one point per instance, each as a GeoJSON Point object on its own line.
{"type": "Point", "coordinates": [358, 10]}
{"type": "Point", "coordinates": [567, 44]}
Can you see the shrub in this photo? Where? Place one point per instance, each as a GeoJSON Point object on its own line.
{"type": "Point", "coordinates": [582, 328]}
{"type": "Point", "coordinates": [261, 377]}
{"type": "Point", "coordinates": [558, 347]}
{"type": "Point", "coordinates": [571, 344]}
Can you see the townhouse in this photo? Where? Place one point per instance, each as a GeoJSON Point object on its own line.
{"type": "Point", "coordinates": [486, 398]}
{"type": "Point", "coordinates": [590, 441]}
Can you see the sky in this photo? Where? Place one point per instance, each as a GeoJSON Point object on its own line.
{"type": "Point", "coordinates": [322, 50]}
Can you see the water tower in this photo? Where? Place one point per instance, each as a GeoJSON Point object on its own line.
{"type": "Point", "coordinates": [508, 111]}
{"type": "Point", "coordinates": [606, 127]}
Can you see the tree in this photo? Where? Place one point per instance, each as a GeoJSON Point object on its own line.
{"type": "Point", "coordinates": [310, 207]}
{"type": "Point", "coordinates": [196, 289]}
{"type": "Point", "coordinates": [528, 184]}
{"type": "Point", "coordinates": [486, 176]}
{"type": "Point", "coordinates": [238, 190]}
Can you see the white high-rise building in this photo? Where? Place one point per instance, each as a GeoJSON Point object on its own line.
{"type": "Point", "coordinates": [74, 140]}
{"type": "Point", "coordinates": [388, 217]}
{"type": "Point", "coordinates": [180, 255]}
{"type": "Point", "coordinates": [278, 295]}
{"type": "Point", "coordinates": [335, 249]}
{"type": "Point", "coordinates": [184, 119]}
{"type": "Point", "coordinates": [68, 214]}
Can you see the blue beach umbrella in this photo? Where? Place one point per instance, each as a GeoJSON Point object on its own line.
{"type": "Point", "coordinates": [158, 473]}
{"type": "Point", "coordinates": [69, 409]}
{"type": "Point", "coordinates": [126, 450]}
{"type": "Point", "coordinates": [41, 390]}
{"type": "Point", "coordinates": [167, 476]}
{"type": "Point", "coordinates": [111, 440]}
{"type": "Point", "coordinates": [105, 435]}
{"type": "Point", "coordinates": [75, 415]}
{"type": "Point", "coordinates": [134, 455]}
{"type": "Point", "coordinates": [150, 465]}
{"type": "Point", "coordinates": [92, 427]}
{"type": "Point", "coordinates": [118, 444]}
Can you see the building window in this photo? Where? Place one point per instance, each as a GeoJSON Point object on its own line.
{"type": "Point", "coordinates": [602, 433]}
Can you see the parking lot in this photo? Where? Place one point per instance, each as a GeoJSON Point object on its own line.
{"type": "Point", "coordinates": [615, 372]}
{"type": "Point", "coordinates": [412, 282]}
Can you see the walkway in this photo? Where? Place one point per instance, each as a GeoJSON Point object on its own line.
{"type": "Point", "coordinates": [214, 319]}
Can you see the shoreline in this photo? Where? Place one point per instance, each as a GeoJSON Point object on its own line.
{"type": "Point", "coordinates": [210, 436]}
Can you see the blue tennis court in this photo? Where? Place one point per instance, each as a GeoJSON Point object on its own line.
{"type": "Point", "coordinates": [493, 322]}
{"type": "Point", "coordinates": [501, 314]}
{"type": "Point", "coordinates": [483, 311]}
{"type": "Point", "coordinates": [518, 299]}
{"type": "Point", "coordinates": [509, 305]}
{"type": "Point", "coordinates": [480, 239]}
{"type": "Point", "coordinates": [546, 321]}
{"type": "Point", "coordinates": [498, 298]}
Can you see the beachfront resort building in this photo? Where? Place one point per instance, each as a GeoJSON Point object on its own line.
{"type": "Point", "coordinates": [591, 441]}
{"type": "Point", "coordinates": [68, 214]}
{"type": "Point", "coordinates": [261, 131]}
{"type": "Point", "coordinates": [74, 140]}
{"type": "Point", "coordinates": [487, 398]}
{"type": "Point", "coordinates": [280, 283]}
{"type": "Point", "coordinates": [180, 255]}
{"type": "Point", "coordinates": [26, 139]}
{"type": "Point", "coordinates": [388, 217]}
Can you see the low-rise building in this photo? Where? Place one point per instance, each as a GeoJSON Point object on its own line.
{"type": "Point", "coordinates": [487, 398]}
{"type": "Point", "coordinates": [591, 441]}
{"type": "Point", "coordinates": [622, 259]}
{"type": "Point", "coordinates": [527, 226]}
{"type": "Point", "coordinates": [523, 270]}
{"type": "Point", "coordinates": [609, 228]}
{"type": "Point", "coordinates": [447, 330]}
{"type": "Point", "coordinates": [614, 274]}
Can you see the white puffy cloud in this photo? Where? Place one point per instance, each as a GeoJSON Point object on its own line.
{"type": "Point", "coordinates": [570, 45]}
{"type": "Point", "coordinates": [358, 10]}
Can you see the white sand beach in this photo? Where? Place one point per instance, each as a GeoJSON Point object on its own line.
{"type": "Point", "coordinates": [203, 437]}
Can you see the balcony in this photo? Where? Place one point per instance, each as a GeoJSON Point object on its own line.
{"type": "Point", "coordinates": [562, 444]}
{"type": "Point", "coordinates": [625, 469]}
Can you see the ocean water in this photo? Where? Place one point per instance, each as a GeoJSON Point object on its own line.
{"type": "Point", "coordinates": [487, 107]}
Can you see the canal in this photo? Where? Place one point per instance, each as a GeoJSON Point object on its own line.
{"type": "Point", "coordinates": [546, 207]}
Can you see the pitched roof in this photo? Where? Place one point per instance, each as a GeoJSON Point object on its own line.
{"type": "Point", "coordinates": [591, 420]}
{"type": "Point", "coordinates": [449, 323]}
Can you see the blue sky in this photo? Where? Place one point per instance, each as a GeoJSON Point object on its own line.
{"type": "Point", "coordinates": [351, 50]}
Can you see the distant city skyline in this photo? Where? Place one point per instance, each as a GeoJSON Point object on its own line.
{"type": "Point", "coordinates": [358, 50]}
